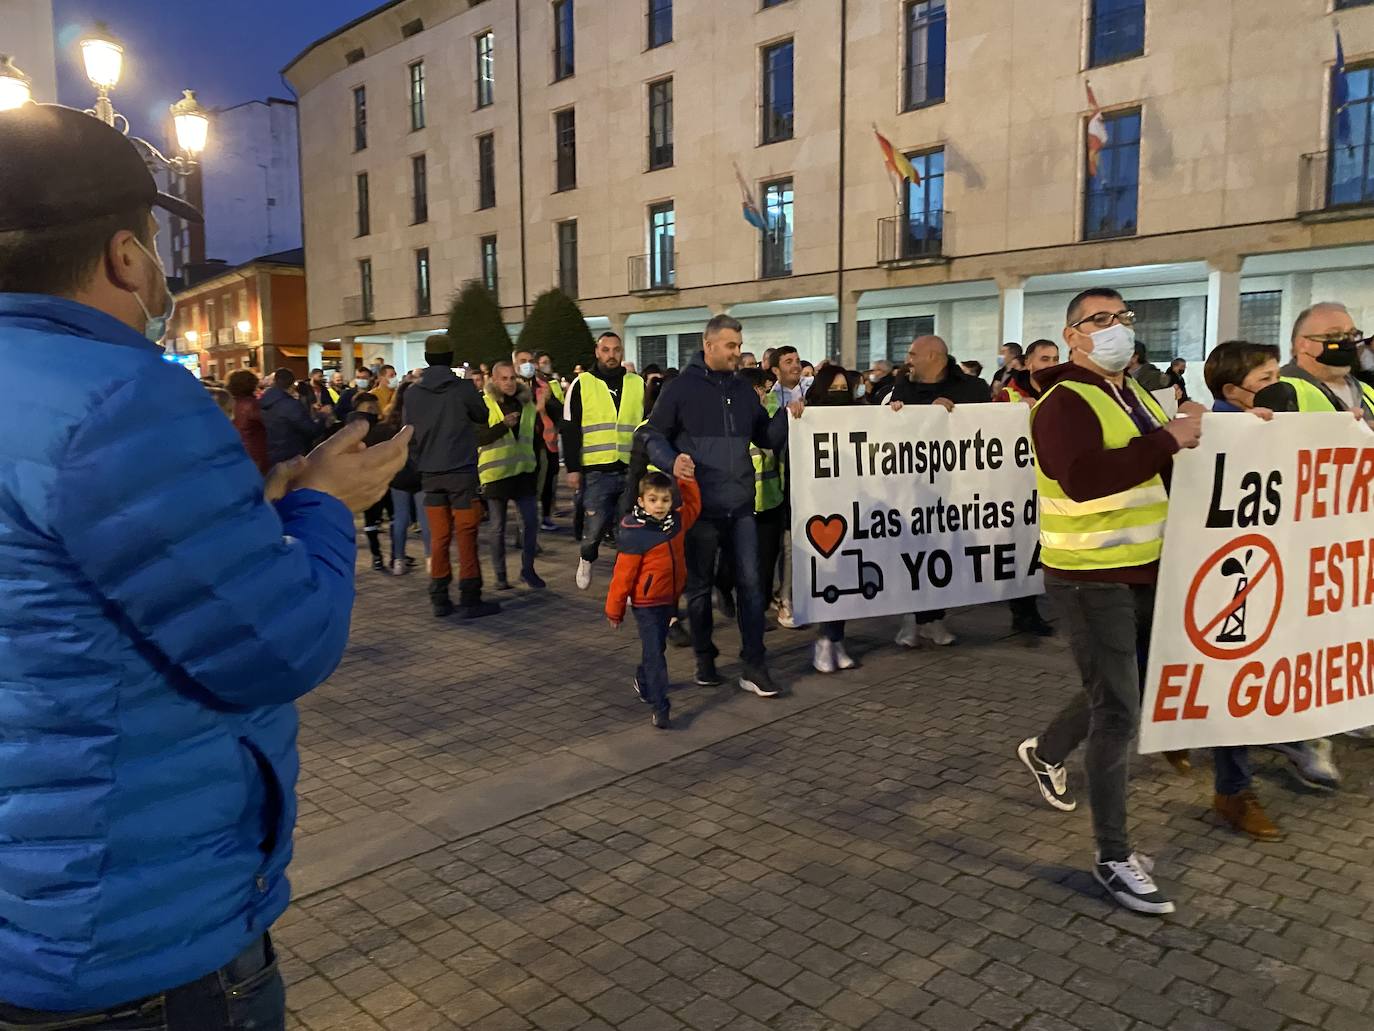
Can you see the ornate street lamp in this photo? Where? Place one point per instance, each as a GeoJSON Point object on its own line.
{"type": "Point", "coordinates": [15, 87]}
{"type": "Point", "coordinates": [103, 56]}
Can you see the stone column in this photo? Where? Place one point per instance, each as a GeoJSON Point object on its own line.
{"type": "Point", "coordinates": [346, 362]}
{"type": "Point", "coordinates": [848, 328]}
{"type": "Point", "coordinates": [1223, 301]}
{"type": "Point", "coordinates": [1297, 295]}
{"type": "Point", "coordinates": [314, 356]}
{"type": "Point", "coordinates": [1011, 297]}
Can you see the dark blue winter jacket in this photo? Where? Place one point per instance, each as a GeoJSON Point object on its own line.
{"type": "Point", "coordinates": [714, 417]}
{"type": "Point", "coordinates": [157, 619]}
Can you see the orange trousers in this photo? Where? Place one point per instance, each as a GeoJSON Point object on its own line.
{"type": "Point", "coordinates": [450, 524]}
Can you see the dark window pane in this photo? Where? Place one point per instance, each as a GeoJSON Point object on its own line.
{"type": "Point", "coordinates": [364, 206]}
{"type": "Point", "coordinates": [1260, 315]}
{"type": "Point", "coordinates": [1117, 31]}
{"type": "Point", "coordinates": [660, 124]}
{"type": "Point", "coordinates": [565, 150]}
{"type": "Point", "coordinates": [422, 281]}
{"type": "Point", "coordinates": [1110, 197]}
{"type": "Point", "coordinates": [417, 95]}
{"type": "Point", "coordinates": [777, 92]}
{"type": "Point", "coordinates": [419, 174]}
{"type": "Point", "coordinates": [777, 238]}
{"type": "Point", "coordinates": [660, 22]}
{"type": "Point", "coordinates": [923, 223]}
{"type": "Point", "coordinates": [662, 237]}
{"type": "Point", "coordinates": [486, 171]}
{"type": "Point", "coordinates": [1156, 325]}
{"type": "Point", "coordinates": [365, 287]}
{"type": "Point", "coordinates": [489, 277]}
{"type": "Point", "coordinates": [901, 332]}
{"type": "Point", "coordinates": [567, 258]}
{"type": "Point", "coordinates": [486, 69]}
{"type": "Point", "coordinates": [924, 73]}
{"type": "Point", "coordinates": [563, 64]}
{"type": "Point", "coordinates": [360, 118]}
{"type": "Point", "coordinates": [653, 350]}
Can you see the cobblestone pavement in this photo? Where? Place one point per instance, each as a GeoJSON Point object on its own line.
{"type": "Point", "coordinates": [867, 853]}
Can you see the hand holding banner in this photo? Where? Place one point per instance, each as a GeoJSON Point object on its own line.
{"type": "Point", "coordinates": [1262, 613]}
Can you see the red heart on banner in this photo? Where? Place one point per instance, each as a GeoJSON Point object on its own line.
{"type": "Point", "coordinates": [826, 533]}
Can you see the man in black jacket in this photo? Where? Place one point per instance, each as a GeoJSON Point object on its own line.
{"type": "Point", "coordinates": [446, 413]}
{"type": "Point", "coordinates": [933, 378]}
{"type": "Point", "coordinates": [703, 425]}
{"type": "Point", "coordinates": [291, 428]}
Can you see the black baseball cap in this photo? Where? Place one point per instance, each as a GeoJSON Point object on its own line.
{"type": "Point", "coordinates": [60, 166]}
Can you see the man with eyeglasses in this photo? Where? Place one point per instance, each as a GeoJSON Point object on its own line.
{"type": "Point", "coordinates": [1103, 454]}
{"type": "Point", "coordinates": [1321, 376]}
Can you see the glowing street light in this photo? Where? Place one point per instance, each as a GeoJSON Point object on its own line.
{"type": "Point", "coordinates": [243, 326]}
{"type": "Point", "coordinates": [191, 124]}
{"type": "Point", "coordinates": [103, 56]}
{"type": "Point", "coordinates": [15, 87]}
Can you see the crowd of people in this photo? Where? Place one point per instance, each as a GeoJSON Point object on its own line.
{"type": "Point", "coordinates": [173, 578]}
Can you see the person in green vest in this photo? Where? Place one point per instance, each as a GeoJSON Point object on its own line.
{"type": "Point", "coordinates": [1097, 434]}
{"type": "Point", "coordinates": [506, 464]}
{"type": "Point", "coordinates": [599, 418]}
{"type": "Point", "coordinates": [1321, 376]}
{"type": "Point", "coordinates": [542, 380]}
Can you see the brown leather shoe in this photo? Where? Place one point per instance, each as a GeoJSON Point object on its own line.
{"type": "Point", "coordinates": [1180, 761]}
{"type": "Point", "coordinates": [1244, 812]}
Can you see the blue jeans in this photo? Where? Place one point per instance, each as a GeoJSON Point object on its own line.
{"type": "Point", "coordinates": [739, 536]}
{"type": "Point", "coordinates": [600, 501]}
{"type": "Point", "coordinates": [653, 624]}
{"type": "Point", "coordinates": [246, 994]}
{"type": "Point", "coordinates": [1233, 770]}
{"type": "Point", "coordinates": [529, 519]}
{"type": "Point", "coordinates": [405, 509]}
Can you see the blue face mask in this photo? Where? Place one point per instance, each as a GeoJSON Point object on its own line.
{"type": "Point", "coordinates": [155, 326]}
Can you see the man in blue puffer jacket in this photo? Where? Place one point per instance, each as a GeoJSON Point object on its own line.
{"type": "Point", "coordinates": [157, 619]}
{"type": "Point", "coordinates": [713, 416]}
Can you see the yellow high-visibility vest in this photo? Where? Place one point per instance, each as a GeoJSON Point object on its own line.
{"type": "Point", "coordinates": [767, 471]}
{"type": "Point", "coordinates": [1122, 529]}
{"type": "Point", "coordinates": [1311, 398]}
{"type": "Point", "coordinates": [608, 433]}
{"type": "Point", "coordinates": [511, 454]}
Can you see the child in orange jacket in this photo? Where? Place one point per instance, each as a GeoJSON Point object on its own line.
{"type": "Point", "coordinates": [650, 574]}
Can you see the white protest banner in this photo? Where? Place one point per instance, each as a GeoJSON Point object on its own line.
{"type": "Point", "coordinates": [1262, 629]}
{"type": "Point", "coordinates": [900, 511]}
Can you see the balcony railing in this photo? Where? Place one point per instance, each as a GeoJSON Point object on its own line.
{"type": "Point", "coordinates": [919, 236]}
{"type": "Point", "coordinates": [653, 273]}
{"type": "Point", "coordinates": [354, 311]}
{"type": "Point", "coordinates": [1337, 179]}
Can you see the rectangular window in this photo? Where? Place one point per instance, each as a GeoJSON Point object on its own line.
{"type": "Point", "coordinates": [489, 278]}
{"type": "Point", "coordinates": [417, 96]}
{"type": "Point", "coordinates": [1156, 324]}
{"type": "Point", "coordinates": [565, 150]}
{"type": "Point", "coordinates": [1117, 31]}
{"type": "Point", "coordinates": [486, 69]}
{"type": "Point", "coordinates": [563, 65]}
{"type": "Point", "coordinates": [422, 281]}
{"type": "Point", "coordinates": [1350, 167]}
{"type": "Point", "coordinates": [360, 118]}
{"type": "Point", "coordinates": [923, 76]}
{"type": "Point", "coordinates": [777, 238]}
{"type": "Point", "coordinates": [1110, 198]}
{"type": "Point", "coordinates": [901, 332]}
{"type": "Point", "coordinates": [863, 342]}
{"type": "Point", "coordinates": [660, 22]}
{"type": "Point", "coordinates": [660, 124]}
{"type": "Point", "coordinates": [662, 236]}
{"type": "Point", "coordinates": [567, 258]}
{"type": "Point", "coordinates": [653, 350]}
{"type": "Point", "coordinates": [486, 170]}
{"type": "Point", "coordinates": [364, 206]}
{"type": "Point", "coordinates": [365, 288]}
{"type": "Point", "coordinates": [923, 221]}
{"type": "Point", "coordinates": [419, 189]}
{"type": "Point", "coordinates": [777, 92]}
{"type": "Point", "coordinates": [1260, 314]}
{"type": "Point", "coordinates": [688, 344]}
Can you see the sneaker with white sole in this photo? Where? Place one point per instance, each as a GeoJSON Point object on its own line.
{"type": "Point", "coordinates": [757, 680]}
{"type": "Point", "coordinates": [906, 636]}
{"type": "Point", "coordinates": [785, 618]}
{"type": "Point", "coordinates": [399, 567]}
{"type": "Point", "coordinates": [936, 633]}
{"type": "Point", "coordinates": [584, 574]}
{"type": "Point", "coordinates": [823, 656]}
{"type": "Point", "coordinates": [1052, 780]}
{"type": "Point", "coordinates": [1130, 883]}
{"type": "Point", "coordinates": [1310, 763]}
{"type": "Point", "coordinates": [842, 659]}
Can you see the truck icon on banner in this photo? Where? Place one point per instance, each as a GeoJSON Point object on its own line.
{"type": "Point", "coordinates": [867, 578]}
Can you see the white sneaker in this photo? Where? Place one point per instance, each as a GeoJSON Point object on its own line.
{"type": "Point", "coordinates": [785, 619]}
{"type": "Point", "coordinates": [936, 633]}
{"type": "Point", "coordinates": [1130, 883]}
{"type": "Point", "coordinates": [398, 567]}
{"type": "Point", "coordinates": [823, 656]}
{"type": "Point", "coordinates": [906, 637]}
{"type": "Point", "coordinates": [842, 659]}
{"type": "Point", "coordinates": [584, 574]}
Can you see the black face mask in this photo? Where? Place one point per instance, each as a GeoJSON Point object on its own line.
{"type": "Point", "coordinates": [1342, 357]}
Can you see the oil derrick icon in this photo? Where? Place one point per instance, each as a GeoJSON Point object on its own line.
{"type": "Point", "coordinates": [1233, 626]}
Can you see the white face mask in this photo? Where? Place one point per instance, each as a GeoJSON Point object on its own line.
{"type": "Point", "coordinates": [360, 383]}
{"type": "Point", "coordinates": [1113, 347]}
{"type": "Point", "coordinates": [805, 383]}
{"type": "Point", "coordinates": [526, 370]}
{"type": "Point", "coordinates": [155, 326]}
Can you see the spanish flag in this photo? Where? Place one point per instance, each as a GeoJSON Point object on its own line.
{"type": "Point", "coordinates": [897, 164]}
{"type": "Point", "coordinates": [1097, 131]}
